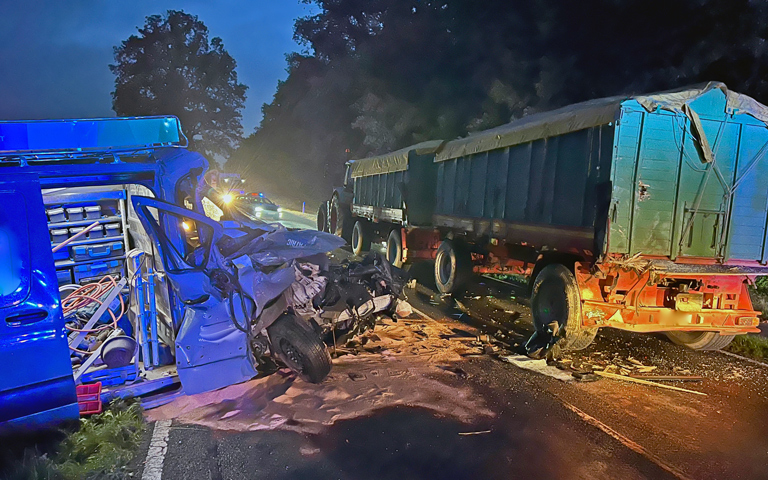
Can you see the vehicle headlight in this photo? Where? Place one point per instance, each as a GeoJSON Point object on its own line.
{"type": "Point", "coordinates": [279, 209]}
{"type": "Point", "coordinates": [258, 209]}
{"type": "Point", "coordinates": [185, 226]}
{"type": "Point", "coordinates": [227, 198]}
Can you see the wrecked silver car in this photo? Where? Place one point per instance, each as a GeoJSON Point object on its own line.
{"type": "Point", "coordinates": [255, 291]}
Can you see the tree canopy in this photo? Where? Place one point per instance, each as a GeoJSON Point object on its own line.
{"type": "Point", "coordinates": [171, 68]}
{"type": "Point", "coordinates": [378, 75]}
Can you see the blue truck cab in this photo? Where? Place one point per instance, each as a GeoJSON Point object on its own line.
{"type": "Point", "coordinates": [49, 160]}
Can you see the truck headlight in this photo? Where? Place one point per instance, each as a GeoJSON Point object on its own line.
{"type": "Point", "coordinates": [227, 198]}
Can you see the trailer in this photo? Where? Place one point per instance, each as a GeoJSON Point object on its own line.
{"type": "Point", "coordinates": [387, 198]}
{"type": "Point", "coordinates": [644, 213]}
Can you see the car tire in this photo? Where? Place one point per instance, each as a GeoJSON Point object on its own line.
{"type": "Point", "coordinates": [361, 238]}
{"type": "Point", "coordinates": [453, 266]}
{"type": "Point", "coordinates": [395, 248]}
{"type": "Point", "coordinates": [555, 298]}
{"type": "Point", "coordinates": [700, 340]}
{"type": "Point", "coordinates": [296, 344]}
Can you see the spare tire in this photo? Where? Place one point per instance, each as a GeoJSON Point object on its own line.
{"type": "Point", "coordinates": [295, 343]}
{"type": "Point", "coordinates": [700, 340]}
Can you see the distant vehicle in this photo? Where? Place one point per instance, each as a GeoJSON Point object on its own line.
{"type": "Point", "coordinates": [259, 206]}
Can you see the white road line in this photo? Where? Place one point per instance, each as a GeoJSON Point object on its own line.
{"type": "Point", "coordinates": [632, 445]}
{"type": "Point", "coordinates": [158, 447]}
{"type": "Point", "coordinates": [740, 357]}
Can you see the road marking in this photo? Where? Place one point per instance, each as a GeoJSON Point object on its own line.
{"type": "Point", "coordinates": [158, 447]}
{"type": "Point", "coordinates": [632, 445]}
{"type": "Point", "coordinates": [743, 358]}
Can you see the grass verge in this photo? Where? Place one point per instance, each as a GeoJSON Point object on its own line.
{"type": "Point", "coordinates": [101, 449]}
{"type": "Point", "coordinates": [751, 345]}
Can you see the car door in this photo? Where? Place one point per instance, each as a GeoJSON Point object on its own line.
{"type": "Point", "coordinates": [36, 388]}
{"type": "Point", "coordinates": [211, 351]}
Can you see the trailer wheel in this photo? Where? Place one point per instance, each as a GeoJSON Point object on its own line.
{"type": "Point", "coordinates": [556, 307]}
{"type": "Point", "coordinates": [340, 220]}
{"type": "Point", "coordinates": [361, 238]}
{"type": "Point", "coordinates": [700, 340]}
{"type": "Point", "coordinates": [453, 266]}
{"type": "Point", "coordinates": [322, 217]}
{"type": "Point", "coordinates": [395, 248]}
{"type": "Point", "coordinates": [295, 343]}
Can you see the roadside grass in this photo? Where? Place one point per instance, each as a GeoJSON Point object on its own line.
{"type": "Point", "coordinates": [754, 345]}
{"type": "Point", "coordinates": [751, 345]}
{"type": "Point", "coordinates": [101, 449]}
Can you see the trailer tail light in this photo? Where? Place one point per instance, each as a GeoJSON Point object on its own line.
{"type": "Point", "coordinates": [747, 321]}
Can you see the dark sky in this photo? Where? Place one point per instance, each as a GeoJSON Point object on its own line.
{"type": "Point", "coordinates": [54, 54]}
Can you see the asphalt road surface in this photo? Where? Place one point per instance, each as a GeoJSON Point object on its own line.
{"type": "Point", "coordinates": [423, 399]}
{"type": "Point", "coordinates": [293, 219]}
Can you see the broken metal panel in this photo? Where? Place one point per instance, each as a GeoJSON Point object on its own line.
{"type": "Point", "coordinates": [655, 186]}
{"type": "Point", "coordinates": [210, 351]}
{"type": "Point", "coordinates": [626, 146]}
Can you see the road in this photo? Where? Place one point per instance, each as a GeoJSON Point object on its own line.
{"type": "Point", "coordinates": [423, 399]}
{"type": "Point", "coordinates": [292, 219]}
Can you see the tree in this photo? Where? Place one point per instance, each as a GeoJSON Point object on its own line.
{"type": "Point", "coordinates": [171, 68]}
{"type": "Point", "coordinates": [378, 75]}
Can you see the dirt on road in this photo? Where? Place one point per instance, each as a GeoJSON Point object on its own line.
{"type": "Point", "coordinates": [446, 363]}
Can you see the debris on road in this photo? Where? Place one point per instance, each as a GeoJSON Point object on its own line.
{"type": "Point", "coordinates": [669, 378]}
{"type": "Point", "coordinates": [539, 366]}
{"type": "Point", "coordinates": [645, 382]}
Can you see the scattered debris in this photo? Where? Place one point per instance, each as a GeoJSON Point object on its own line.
{"type": "Point", "coordinates": [670, 378]}
{"type": "Point", "coordinates": [585, 376]}
{"type": "Point", "coordinates": [645, 382]}
{"type": "Point", "coordinates": [455, 370]}
{"type": "Point", "coordinates": [539, 366]}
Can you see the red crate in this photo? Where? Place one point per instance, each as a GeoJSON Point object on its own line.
{"type": "Point", "coordinates": [89, 398]}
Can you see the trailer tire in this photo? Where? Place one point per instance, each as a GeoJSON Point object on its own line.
{"type": "Point", "coordinates": [453, 266]}
{"type": "Point", "coordinates": [555, 297]}
{"type": "Point", "coordinates": [295, 343]}
{"type": "Point", "coordinates": [322, 217]}
{"type": "Point", "coordinates": [700, 340]}
{"type": "Point", "coordinates": [395, 248]}
{"type": "Point", "coordinates": [361, 238]}
{"type": "Point", "coordinates": [340, 219]}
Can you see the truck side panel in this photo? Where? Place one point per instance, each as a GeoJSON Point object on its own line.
{"type": "Point", "coordinates": [747, 238]}
{"type": "Point", "coordinates": [545, 182]}
{"type": "Point", "coordinates": [668, 201]}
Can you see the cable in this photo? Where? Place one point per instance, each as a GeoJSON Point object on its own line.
{"type": "Point", "coordinates": [87, 294]}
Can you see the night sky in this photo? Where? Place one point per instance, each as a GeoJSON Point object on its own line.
{"type": "Point", "coordinates": [54, 54]}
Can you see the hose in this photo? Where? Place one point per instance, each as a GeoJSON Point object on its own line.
{"type": "Point", "coordinates": [83, 296]}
